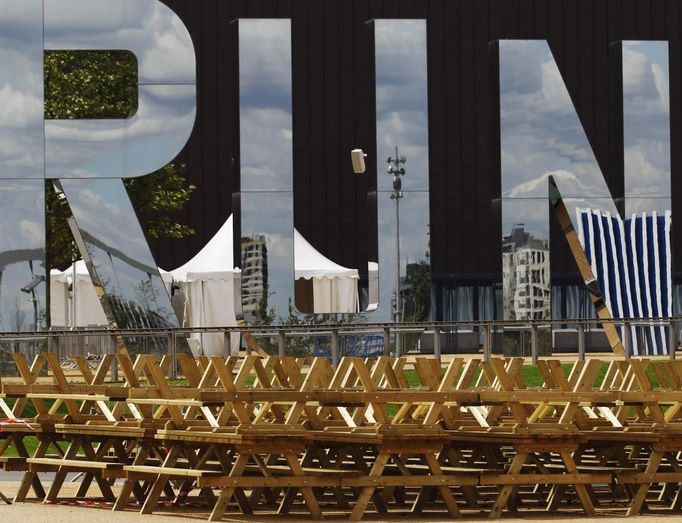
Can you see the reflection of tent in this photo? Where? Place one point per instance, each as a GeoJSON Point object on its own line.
{"type": "Point", "coordinates": [323, 286]}
{"type": "Point", "coordinates": [74, 304]}
{"type": "Point", "coordinates": [208, 284]}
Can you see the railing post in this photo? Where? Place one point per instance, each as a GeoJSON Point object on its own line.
{"type": "Point", "coordinates": [581, 341]}
{"type": "Point", "coordinates": [627, 340]}
{"type": "Point", "coordinates": [387, 341]}
{"type": "Point", "coordinates": [436, 342]}
{"type": "Point", "coordinates": [281, 344]}
{"type": "Point", "coordinates": [227, 343]}
{"type": "Point", "coordinates": [172, 347]}
{"type": "Point", "coordinates": [487, 341]}
{"type": "Point", "coordinates": [534, 343]}
{"type": "Point", "coordinates": [672, 342]}
{"type": "Point", "coordinates": [335, 348]}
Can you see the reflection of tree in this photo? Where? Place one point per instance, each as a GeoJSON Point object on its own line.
{"type": "Point", "coordinates": [18, 315]}
{"type": "Point", "coordinates": [416, 292]}
{"type": "Point", "coordinates": [103, 84]}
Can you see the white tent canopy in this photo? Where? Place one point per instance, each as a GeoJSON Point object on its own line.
{"type": "Point", "coordinates": [81, 306]}
{"type": "Point", "coordinates": [209, 284]}
{"type": "Point", "coordinates": [335, 288]}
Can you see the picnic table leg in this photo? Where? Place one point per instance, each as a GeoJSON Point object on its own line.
{"type": "Point", "coordinates": [506, 490]}
{"type": "Point", "coordinates": [225, 496]}
{"type": "Point", "coordinates": [131, 485]}
{"type": "Point", "coordinates": [444, 490]}
{"type": "Point", "coordinates": [366, 494]}
{"type": "Point", "coordinates": [102, 482]}
{"type": "Point", "coordinates": [378, 498]}
{"type": "Point", "coordinates": [642, 489]}
{"type": "Point", "coordinates": [160, 482]}
{"type": "Point", "coordinates": [582, 490]}
{"type": "Point", "coordinates": [307, 492]}
{"type": "Point", "coordinates": [31, 478]}
{"type": "Point", "coordinates": [61, 473]}
{"type": "Point", "coordinates": [5, 498]}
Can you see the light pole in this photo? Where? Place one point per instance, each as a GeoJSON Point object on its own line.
{"type": "Point", "coordinates": [394, 168]}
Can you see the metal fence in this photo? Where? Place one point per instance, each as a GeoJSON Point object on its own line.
{"type": "Point", "coordinates": [532, 339]}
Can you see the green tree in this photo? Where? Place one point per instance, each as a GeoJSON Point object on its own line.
{"type": "Point", "coordinates": [103, 84]}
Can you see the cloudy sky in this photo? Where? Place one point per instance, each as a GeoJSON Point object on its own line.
{"type": "Point", "coordinates": [22, 227]}
{"type": "Point", "coordinates": [541, 133]}
{"type": "Point", "coordinates": [646, 126]}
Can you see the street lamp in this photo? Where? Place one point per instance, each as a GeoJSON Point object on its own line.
{"type": "Point", "coordinates": [395, 168]}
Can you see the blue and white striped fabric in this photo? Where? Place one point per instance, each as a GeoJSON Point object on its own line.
{"type": "Point", "coordinates": [631, 260]}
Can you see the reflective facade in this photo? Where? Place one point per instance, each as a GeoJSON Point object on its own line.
{"type": "Point", "coordinates": [540, 135]}
{"type": "Point", "coordinates": [266, 159]}
{"type": "Point", "coordinates": [22, 168]}
{"type": "Point", "coordinates": [76, 151]}
{"type": "Point", "coordinates": [557, 117]}
{"type": "Point", "coordinates": [646, 126]}
{"type": "Point", "coordinates": [402, 123]}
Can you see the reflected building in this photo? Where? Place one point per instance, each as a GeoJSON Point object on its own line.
{"type": "Point", "coordinates": [254, 275]}
{"type": "Point", "coordinates": [526, 275]}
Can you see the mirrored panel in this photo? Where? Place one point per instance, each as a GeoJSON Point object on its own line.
{"type": "Point", "coordinates": [646, 123]}
{"type": "Point", "coordinates": [403, 271]}
{"type": "Point", "coordinates": [636, 205]}
{"type": "Point", "coordinates": [22, 256]}
{"type": "Point", "coordinates": [540, 129]}
{"type": "Point", "coordinates": [414, 300]}
{"type": "Point", "coordinates": [123, 148]}
{"type": "Point", "coordinates": [265, 105]}
{"type": "Point", "coordinates": [148, 28]}
{"type": "Point", "coordinates": [21, 89]}
{"type": "Point", "coordinates": [155, 134]}
{"type": "Point", "coordinates": [267, 264]}
{"type": "Point", "coordinates": [526, 281]}
{"type": "Point", "coordinates": [120, 263]}
{"type": "Point", "coordinates": [541, 135]}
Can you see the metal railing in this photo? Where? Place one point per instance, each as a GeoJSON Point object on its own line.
{"type": "Point", "coordinates": [277, 338]}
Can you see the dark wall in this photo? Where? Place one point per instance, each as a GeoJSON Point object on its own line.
{"type": "Point", "coordinates": [331, 115]}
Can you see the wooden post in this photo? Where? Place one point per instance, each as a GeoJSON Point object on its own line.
{"type": "Point", "coordinates": [487, 341]}
{"type": "Point", "coordinates": [672, 342]}
{"type": "Point", "coordinates": [534, 343]}
{"type": "Point", "coordinates": [627, 339]}
{"type": "Point", "coordinates": [281, 344]}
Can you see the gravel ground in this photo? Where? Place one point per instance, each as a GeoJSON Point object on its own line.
{"type": "Point", "coordinates": [39, 512]}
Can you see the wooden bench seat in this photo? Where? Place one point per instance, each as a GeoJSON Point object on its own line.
{"type": "Point", "coordinates": [74, 465]}
{"type": "Point", "coordinates": [147, 470]}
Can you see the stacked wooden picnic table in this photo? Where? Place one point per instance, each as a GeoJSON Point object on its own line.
{"type": "Point", "coordinates": [287, 435]}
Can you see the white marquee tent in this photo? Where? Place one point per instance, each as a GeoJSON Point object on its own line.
{"type": "Point", "coordinates": [208, 283]}
{"type": "Point", "coordinates": [78, 308]}
{"type": "Point", "coordinates": [335, 288]}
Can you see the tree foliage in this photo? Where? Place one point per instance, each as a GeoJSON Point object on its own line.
{"type": "Point", "coordinates": [103, 84]}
